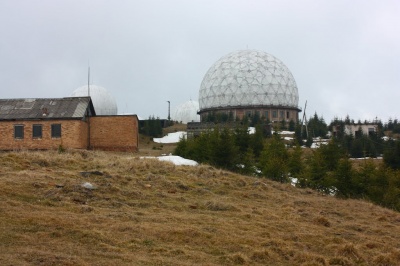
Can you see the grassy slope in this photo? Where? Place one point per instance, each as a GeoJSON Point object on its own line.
{"type": "Point", "coordinates": [146, 212]}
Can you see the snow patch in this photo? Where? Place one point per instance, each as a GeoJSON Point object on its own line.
{"type": "Point", "coordinates": [177, 160]}
{"type": "Point", "coordinates": [171, 137]}
{"type": "Point", "coordinates": [252, 130]}
{"type": "Point", "coordinates": [283, 132]}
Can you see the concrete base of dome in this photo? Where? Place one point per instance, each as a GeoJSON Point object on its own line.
{"type": "Point", "coordinates": [237, 113]}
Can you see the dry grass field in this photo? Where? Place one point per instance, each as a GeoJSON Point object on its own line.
{"type": "Point", "coordinates": [146, 212]}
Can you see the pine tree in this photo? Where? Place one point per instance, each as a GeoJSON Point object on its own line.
{"type": "Point", "coordinates": [344, 177]}
{"type": "Point", "coordinates": [357, 149]}
{"type": "Point", "coordinates": [224, 151]}
{"type": "Point", "coordinates": [331, 154]}
{"type": "Point", "coordinates": [391, 156]}
{"type": "Point", "coordinates": [295, 163]}
{"type": "Point", "coordinates": [317, 172]}
{"type": "Point", "coordinates": [273, 160]}
{"type": "Point", "coordinates": [298, 136]}
{"type": "Point", "coordinates": [242, 138]}
{"type": "Point", "coordinates": [292, 125]}
{"type": "Point", "coordinates": [247, 163]}
{"type": "Point", "coordinates": [317, 126]}
{"type": "Point", "coordinates": [257, 141]}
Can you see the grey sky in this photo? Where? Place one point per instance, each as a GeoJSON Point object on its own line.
{"type": "Point", "coordinates": [344, 55]}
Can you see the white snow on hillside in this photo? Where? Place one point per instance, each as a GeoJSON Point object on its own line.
{"type": "Point", "coordinates": [177, 160]}
{"type": "Point", "coordinates": [171, 137]}
{"type": "Point", "coordinates": [318, 141]}
{"type": "Point", "coordinates": [284, 132]}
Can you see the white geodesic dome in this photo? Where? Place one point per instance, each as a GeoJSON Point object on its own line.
{"type": "Point", "coordinates": [186, 112]}
{"type": "Point", "coordinates": [104, 103]}
{"type": "Point", "coordinates": [248, 78]}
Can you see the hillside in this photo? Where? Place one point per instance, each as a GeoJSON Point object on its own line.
{"type": "Point", "coordinates": [147, 212]}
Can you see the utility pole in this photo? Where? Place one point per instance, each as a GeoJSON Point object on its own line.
{"type": "Point", "coordinates": [88, 110]}
{"type": "Point", "coordinates": [169, 110]}
{"type": "Point", "coordinates": [302, 121]}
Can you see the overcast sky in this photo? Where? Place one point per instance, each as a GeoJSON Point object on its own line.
{"type": "Point", "coordinates": [344, 55]}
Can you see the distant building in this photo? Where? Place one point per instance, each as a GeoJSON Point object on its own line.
{"type": "Point", "coordinates": [70, 122]}
{"type": "Point", "coordinates": [186, 112]}
{"type": "Point", "coordinates": [103, 101]}
{"type": "Point", "coordinates": [356, 129]}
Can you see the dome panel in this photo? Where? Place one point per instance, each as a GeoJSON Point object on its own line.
{"type": "Point", "coordinates": [104, 103]}
{"type": "Point", "coordinates": [252, 78]}
{"type": "Point", "coordinates": [186, 112]}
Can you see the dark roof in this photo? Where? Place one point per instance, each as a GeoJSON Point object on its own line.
{"type": "Point", "coordinates": [58, 108]}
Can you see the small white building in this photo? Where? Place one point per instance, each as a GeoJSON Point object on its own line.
{"type": "Point", "coordinates": [356, 129]}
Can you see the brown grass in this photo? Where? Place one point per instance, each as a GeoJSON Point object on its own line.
{"type": "Point", "coordinates": [146, 212]}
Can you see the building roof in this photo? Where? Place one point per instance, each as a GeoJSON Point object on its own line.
{"type": "Point", "coordinates": [57, 108]}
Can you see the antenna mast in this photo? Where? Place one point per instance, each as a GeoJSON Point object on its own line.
{"type": "Point", "coordinates": [169, 110]}
{"type": "Point", "coordinates": [88, 82]}
{"type": "Point", "coordinates": [302, 121]}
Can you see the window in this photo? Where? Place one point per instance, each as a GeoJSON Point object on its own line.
{"type": "Point", "coordinates": [18, 131]}
{"type": "Point", "coordinates": [287, 115]}
{"type": "Point", "coordinates": [266, 115]}
{"type": "Point", "coordinates": [274, 114]}
{"type": "Point", "coordinates": [56, 130]}
{"type": "Point", "coordinates": [281, 114]}
{"type": "Point", "coordinates": [37, 131]}
{"type": "Point", "coordinates": [371, 131]}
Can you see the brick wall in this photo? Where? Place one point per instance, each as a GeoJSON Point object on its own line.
{"type": "Point", "coordinates": [73, 135]}
{"type": "Point", "coordinates": [115, 133]}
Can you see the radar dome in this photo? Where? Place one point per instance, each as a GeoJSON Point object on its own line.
{"type": "Point", "coordinates": [186, 112]}
{"type": "Point", "coordinates": [104, 103]}
{"type": "Point", "coordinates": [249, 79]}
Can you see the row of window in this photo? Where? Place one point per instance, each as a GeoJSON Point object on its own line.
{"type": "Point", "coordinates": [274, 114]}
{"type": "Point", "coordinates": [37, 131]}
{"type": "Point", "coordinates": [281, 114]}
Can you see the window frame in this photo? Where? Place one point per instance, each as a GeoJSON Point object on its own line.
{"type": "Point", "coordinates": [37, 131]}
{"type": "Point", "coordinates": [21, 133]}
{"type": "Point", "coordinates": [55, 130]}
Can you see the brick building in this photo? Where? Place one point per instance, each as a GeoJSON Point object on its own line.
{"type": "Point", "coordinates": [68, 122]}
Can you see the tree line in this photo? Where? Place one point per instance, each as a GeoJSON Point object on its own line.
{"type": "Point", "coordinates": [328, 169]}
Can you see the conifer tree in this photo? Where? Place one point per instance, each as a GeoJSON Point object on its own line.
{"type": "Point", "coordinates": [331, 154]}
{"type": "Point", "coordinates": [317, 126]}
{"type": "Point", "coordinates": [391, 156]}
{"type": "Point", "coordinates": [295, 163]}
{"type": "Point", "coordinates": [247, 162]}
{"type": "Point", "coordinates": [298, 136]}
{"type": "Point", "coordinates": [316, 172]}
{"type": "Point", "coordinates": [292, 125]}
{"type": "Point", "coordinates": [344, 177]}
{"type": "Point", "coordinates": [273, 160]}
{"type": "Point", "coordinates": [257, 141]}
{"type": "Point", "coordinates": [357, 149]}
{"type": "Point", "coordinates": [242, 138]}
{"type": "Point", "coordinates": [225, 152]}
